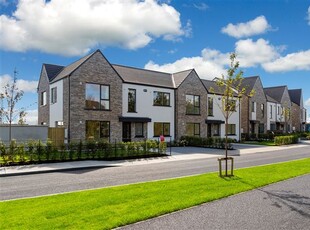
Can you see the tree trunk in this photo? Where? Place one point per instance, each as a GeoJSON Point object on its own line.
{"type": "Point", "coordinates": [226, 138]}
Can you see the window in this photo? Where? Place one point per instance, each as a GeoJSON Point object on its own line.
{"type": "Point", "coordinates": [97, 129]}
{"type": "Point", "coordinates": [192, 129]}
{"type": "Point", "coordinates": [261, 128]}
{"type": "Point", "coordinates": [270, 111]}
{"type": "Point", "coordinates": [262, 108]}
{"type": "Point", "coordinates": [253, 106]}
{"type": "Point", "coordinates": [54, 95]}
{"type": "Point", "coordinates": [139, 129]}
{"type": "Point", "coordinates": [272, 127]}
{"type": "Point", "coordinates": [231, 129]}
{"type": "Point", "coordinates": [43, 98]}
{"type": "Point", "coordinates": [216, 128]}
{"type": "Point", "coordinates": [161, 99]}
{"type": "Point", "coordinates": [210, 106]}
{"type": "Point", "coordinates": [131, 100]}
{"type": "Point", "coordinates": [97, 96]}
{"type": "Point", "coordinates": [231, 105]}
{"type": "Point", "coordinates": [278, 110]}
{"type": "Point", "coordinates": [192, 104]}
{"type": "Point", "coordinates": [161, 129]}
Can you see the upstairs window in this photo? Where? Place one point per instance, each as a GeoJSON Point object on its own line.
{"type": "Point", "coordinates": [161, 99]}
{"type": "Point", "coordinates": [54, 95]}
{"type": "Point", "coordinates": [192, 104]}
{"type": "Point", "coordinates": [97, 96]}
{"type": "Point", "coordinates": [262, 108]}
{"type": "Point", "coordinates": [271, 111]}
{"type": "Point", "coordinates": [131, 100]}
{"type": "Point", "coordinates": [210, 106]}
{"type": "Point", "coordinates": [253, 107]}
{"type": "Point", "coordinates": [43, 98]}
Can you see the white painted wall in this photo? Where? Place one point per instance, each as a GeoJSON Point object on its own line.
{"type": "Point", "coordinates": [56, 109]}
{"type": "Point", "coordinates": [218, 115]}
{"type": "Point", "coordinates": [274, 113]}
{"type": "Point", "coordinates": [145, 108]}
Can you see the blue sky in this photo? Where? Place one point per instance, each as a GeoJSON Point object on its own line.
{"type": "Point", "coordinates": [271, 38]}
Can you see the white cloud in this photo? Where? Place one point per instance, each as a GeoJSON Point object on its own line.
{"type": "Point", "coordinates": [25, 85]}
{"type": "Point", "coordinates": [307, 102]}
{"type": "Point", "coordinates": [31, 117]}
{"type": "Point", "coordinates": [256, 26]}
{"type": "Point", "coordinates": [208, 65]}
{"type": "Point", "coordinates": [290, 62]}
{"type": "Point", "coordinates": [73, 27]}
{"type": "Point", "coordinates": [201, 6]}
{"type": "Point", "coordinates": [251, 53]}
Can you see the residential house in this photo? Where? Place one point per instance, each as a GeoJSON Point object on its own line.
{"type": "Point", "coordinates": [253, 115]}
{"type": "Point", "coordinates": [215, 118]}
{"type": "Point", "coordinates": [272, 116]}
{"type": "Point", "coordinates": [281, 95]}
{"type": "Point", "coordinates": [298, 112]}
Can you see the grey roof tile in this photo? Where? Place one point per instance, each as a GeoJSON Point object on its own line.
{"type": "Point", "coordinates": [179, 77]}
{"type": "Point", "coordinates": [275, 92]}
{"type": "Point", "coordinates": [52, 70]}
{"type": "Point", "coordinates": [295, 95]}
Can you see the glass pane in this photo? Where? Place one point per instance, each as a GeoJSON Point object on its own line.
{"type": "Point", "coordinates": [166, 99]}
{"type": "Point", "coordinates": [105, 105]}
{"type": "Point", "coordinates": [132, 100]}
{"type": "Point", "coordinates": [92, 96]}
{"type": "Point", "coordinates": [158, 129]}
{"type": "Point", "coordinates": [166, 129]}
{"type": "Point", "coordinates": [189, 129]}
{"type": "Point", "coordinates": [105, 92]}
{"type": "Point", "coordinates": [92, 129]}
{"type": "Point", "coordinates": [196, 110]}
{"type": "Point", "coordinates": [139, 129]}
{"type": "Point", "coordinates": [197, 100]}
{"type": "Point", "coordinates": [104, 129]}
{"type": "Point", "coordinates": [197, 129]}
{"type": "Point", "coordinates": [189, 104]}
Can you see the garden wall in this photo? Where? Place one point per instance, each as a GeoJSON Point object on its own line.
{"type": "Point", "coordinates": [22, 133]}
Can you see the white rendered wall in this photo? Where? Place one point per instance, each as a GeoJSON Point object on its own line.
{"type": "Point", "coordinates": [56, 109]}
{"type": "Point", "coordinates": [218, 115]}
{"type": "Point", "coordinates": [274, 113]}
{"type": "Point", "coordinates": [145, 108]}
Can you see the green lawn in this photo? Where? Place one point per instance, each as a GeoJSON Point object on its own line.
{"type": "Point", "coordinates": [267, 143]}
{"type": "Point", "coordinates": [116, 206]}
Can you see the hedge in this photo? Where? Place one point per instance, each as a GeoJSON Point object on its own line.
{"type": "Point", "coordinates": [286, 140]}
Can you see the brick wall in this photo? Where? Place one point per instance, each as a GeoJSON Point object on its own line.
{"type": "Point", "coordinates": [43, 110]}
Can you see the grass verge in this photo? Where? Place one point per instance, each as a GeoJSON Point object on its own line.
{"type": "Point", "coordinates": [116, 206]}
{"type": "Point", "coordinates": [266, 143]}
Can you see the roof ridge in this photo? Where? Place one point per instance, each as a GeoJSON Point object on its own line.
{"type": "Point", "coordinates": [183, 71]}
{"type": "Point", "coordinates": [137, 68]}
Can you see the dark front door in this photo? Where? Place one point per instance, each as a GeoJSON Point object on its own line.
{"type": "Point", "coordinates": [126, 131]}
{"type": "Point", "coordinates": [209, 131]}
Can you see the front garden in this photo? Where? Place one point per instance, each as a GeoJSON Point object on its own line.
{"type": "Point", "coordinates": [38, 152]}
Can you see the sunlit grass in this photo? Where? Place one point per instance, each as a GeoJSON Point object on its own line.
{"type": "Point", "coordinates": [116, 206]}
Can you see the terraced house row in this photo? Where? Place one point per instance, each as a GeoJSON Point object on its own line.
{"type": "Point", "coordinates": [92, 98]}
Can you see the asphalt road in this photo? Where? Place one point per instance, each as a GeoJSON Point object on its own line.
{"type": "Point", "coordinates": [58, 182]}
{"type": "Point", "coordinates": [284, 205]}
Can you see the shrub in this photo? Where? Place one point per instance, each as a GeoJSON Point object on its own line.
{"type": "Point", "coordinates": [286, 140]}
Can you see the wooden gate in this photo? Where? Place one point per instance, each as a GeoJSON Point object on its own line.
{"type": "Point", "coordinates": [57, 136]}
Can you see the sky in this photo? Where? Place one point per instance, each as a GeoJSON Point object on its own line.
{"type": "Point", "coordinates": [271, 38]}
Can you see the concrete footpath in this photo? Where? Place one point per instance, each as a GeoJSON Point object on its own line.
{"type": "Point", "coordinates": [283, 205]}
{"type": "Point", "coordinates": [177, 154]}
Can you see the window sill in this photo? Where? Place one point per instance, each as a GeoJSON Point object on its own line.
{"type": "Point", "coordinates": [98, 109]}
{"type": "Point", "coordinates": [132, 112]}
{"type": "Point", "coordinates": [162, 105]}
{"type": "Point", "coordinates": [231, 134]}
{"type": "Point", "coordinates": [211, 115]}
{"type": "Point", "coordinates": [193, 114]}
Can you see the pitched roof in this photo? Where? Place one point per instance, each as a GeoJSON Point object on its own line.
{"type": "Point", "coordinates": [52, 70]}
{"type": "Point", "coordinates": [295, 95]}
{"type": "Point", "coordinates": [248, 83]}
{"type": "Point", "coordinates": [212, 84]}
{"type": "Point", "coordinates": [275, 92]}
{"type": "Point", "coordinates": [143, 76]}
{"type": "Point", "coordinates": [270, 99]}
{"type": "Point", "coordinates": [72, 67]}
{"type": "Point", "coordinates": [179, 77]}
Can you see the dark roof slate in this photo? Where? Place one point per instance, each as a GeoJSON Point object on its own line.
{"type": "Point", "coordinates": [52, 70]}
{"type": "Point", "coordinates": [295, 95]}
{"type": "Point", "coordinates": [179, 77]}
{"type": "Point", "coordinates": [143, 76]}
{"type": "Point", "coordinates": [249, 83]}
{"type": "Point", "coordinates": [275, 92]}
{"type": "Point", "coordinates": [212, 84]}
{"type": "Point", "coordinates": [270, 99]}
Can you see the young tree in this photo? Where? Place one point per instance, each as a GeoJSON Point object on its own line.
{"type": "Point", "coordinates": [232, 91]}
{"type": "Point", "coordinates": [11, 96]}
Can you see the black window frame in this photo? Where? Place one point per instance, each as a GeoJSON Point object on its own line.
{"type": "Point", "coordinates": [210, 106]}
{"type": "Point", "coordinates": [162, 99]}
{"type": "Point", "coordinates": [142, 126]}
{"type": "Point", "coordinates": [100, 97]}
{"type": "Point", "coordinates": [162, 129]}
{"type": "Point", "coordinates": [262, 108]}
{"type": "Point", "coordinates": [135, 101]}
{"type": "Point", "coordinates": [194, 106]}
{"type": "Point", "coordinates": [54, 95]}
{"type": "Point", "coordinates": [43, 98]}
{"type": "Point", "coordinates": [253, 107]}
{"type": "Point", "coordinates": [229, 129]}
{"type": "Point", "coordinates": [100, 129]}
{"type": "Point", "coordinates": [195, 134]}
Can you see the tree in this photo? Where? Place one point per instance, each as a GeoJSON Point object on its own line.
{"type": "Point", "coordinates": [11, 96]}
{"type": "Point", "coordinates": [232, 91]}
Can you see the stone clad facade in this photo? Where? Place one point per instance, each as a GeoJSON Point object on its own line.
{"type": "Point", "coordinates": [191, 85]}
{"type": "Point", "coordinates": [43, 110]}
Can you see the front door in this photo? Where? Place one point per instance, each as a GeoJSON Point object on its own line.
{"type": "Point", "coordinates": [126, 131]}
{"type": "Point", "coordinates": [209, 131]}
